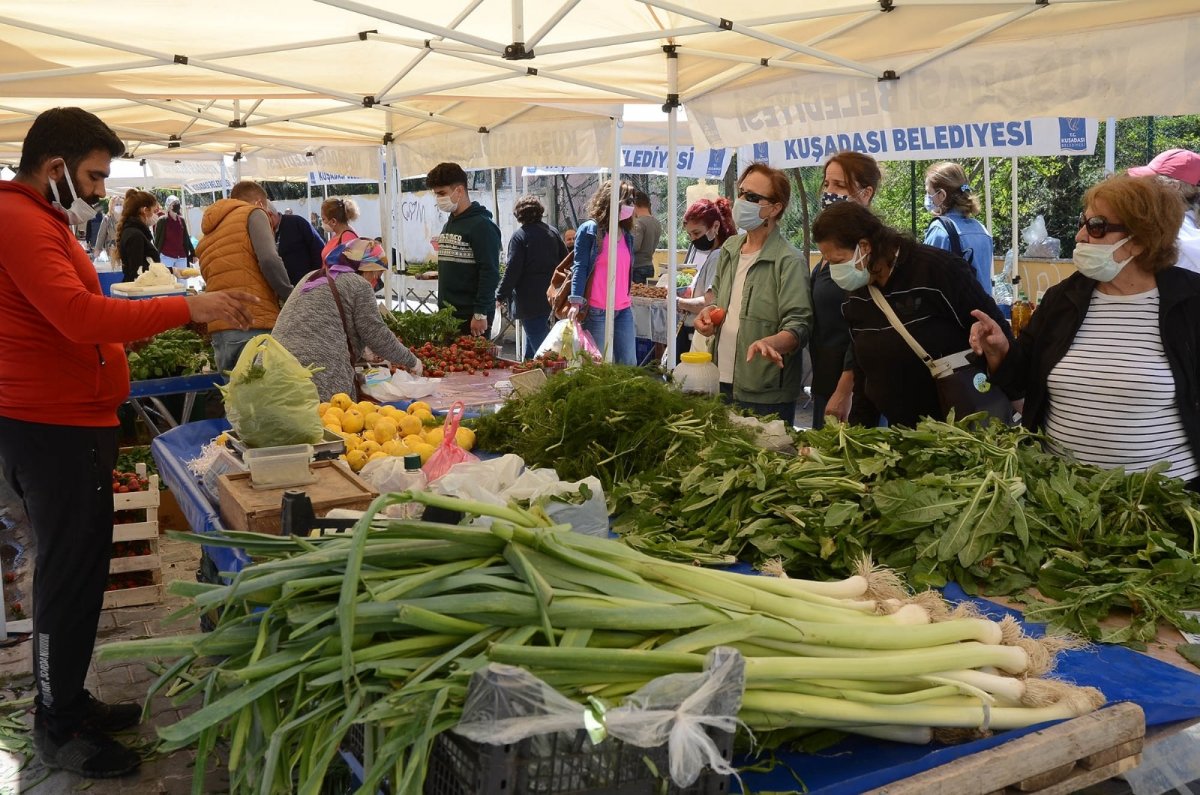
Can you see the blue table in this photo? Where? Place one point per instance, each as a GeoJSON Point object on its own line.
{"type": "Point", "coordinates": [151, 390]}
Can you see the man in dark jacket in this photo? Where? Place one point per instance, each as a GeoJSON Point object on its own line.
{"type": "Point", "coordinates": [468, 251]}
{"type": "Point", "coordinates": [533, 252]}
{"type": "Point", "coordinates": [299, 245]}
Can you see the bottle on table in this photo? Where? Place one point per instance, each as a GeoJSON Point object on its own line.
{"type": "Point", "coordinates": [414, 480]}
{"type": "Point", "coordinates": [1022, 310]}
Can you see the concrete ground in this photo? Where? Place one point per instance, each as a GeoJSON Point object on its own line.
{"type": "Point", "coordinates": [172, 773]}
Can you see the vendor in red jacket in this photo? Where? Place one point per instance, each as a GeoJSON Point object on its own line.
{"type": "Point", "coordinates": [62, 375]}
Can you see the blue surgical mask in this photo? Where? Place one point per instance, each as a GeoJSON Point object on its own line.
{"type": "Point", "coordinates": [828, 198]}
{"type": "Point", "coordinates": [745, 215]}
{"type": "Point", "coordinates": [848, 275]}
{"type": "Point", "coordinates": [930, 206]}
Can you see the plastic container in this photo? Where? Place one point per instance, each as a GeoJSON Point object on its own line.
{"type": "Point", "coordinates": [414, 480]}
{"type": "Point", "coordinates": [696, 374]}
{"type": "Point", "coordinates": [277, 467]}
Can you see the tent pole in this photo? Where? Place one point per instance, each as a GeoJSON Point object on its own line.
{"type": "Point", "coordinates": [614, 240]}
{"type": "Point", "coordinates": [1110, 145]}
{"type": "Point", "coordinates": [1015, 220]}
{"type": "Point", "coordinates": [398, 220]}
{"type": "Point", "coordinates": [987, 192]}
{"type": "Point", "coordinates": [384, 232]}
{"type": "Point", "coordinates": [672, 200]}
{"type": "Point", "coordinates": [224, 179]}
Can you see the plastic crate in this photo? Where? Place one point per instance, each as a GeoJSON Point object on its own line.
{"type": "Point", "coordinates": [561, 764]}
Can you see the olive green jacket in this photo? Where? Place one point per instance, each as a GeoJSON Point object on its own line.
{"type": "Point", "coordinates": [775, 297]}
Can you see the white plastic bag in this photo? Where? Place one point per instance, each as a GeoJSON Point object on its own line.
{"type": "Point", "coordinates": [1038, 242]}
{"type": "Point", "coordinates": [568, 338]}
{"type": "Point", "coordinates": [506, 704]}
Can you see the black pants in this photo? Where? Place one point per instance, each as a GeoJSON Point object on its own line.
{"type": "Point", "coordinates": [641, 274]}
{"type": "Point", "coordinates": [63, 474]}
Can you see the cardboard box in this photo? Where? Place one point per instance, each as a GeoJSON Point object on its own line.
{"type": "Point", "coordinates": [246, 508]}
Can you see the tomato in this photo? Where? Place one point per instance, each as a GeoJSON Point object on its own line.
{"type": "Point", "coordinates": [716, 316]}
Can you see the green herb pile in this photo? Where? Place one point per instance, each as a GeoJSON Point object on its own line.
{"type": "Point", "coordinates": [986, 508]}
{"type": "Point", "coordinates": [417, 328]}
{"type": "Point", "coordinates": [130, 457]}
{"type": "Point", "coordinates": [172, 353]}
{"type": "Point", "coordinates": [605, 420]}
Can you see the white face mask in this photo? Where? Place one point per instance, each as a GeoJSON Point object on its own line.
{"type": "Point", "coordinates": [745, 215]}
{"type": "Point", "coordinates": [1095, 260]}
{"type": "Point", "coordinates": [80, 212]}
{"type": "Point", "coordinates": [848, 275]}
{"type": "Point", "coordinates": [446, 203]}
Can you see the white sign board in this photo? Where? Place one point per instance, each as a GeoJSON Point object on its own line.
{"type": "Point", "coordinates": [651, 159]}
{"type": "Point", "coordinates": [1014, 138]}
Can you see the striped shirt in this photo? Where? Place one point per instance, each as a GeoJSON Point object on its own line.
{"type": "Point", "coordinates": [1112, 396]}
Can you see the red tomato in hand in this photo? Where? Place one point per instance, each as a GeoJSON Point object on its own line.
{"type": "Point", "coordinates": [716, 315]}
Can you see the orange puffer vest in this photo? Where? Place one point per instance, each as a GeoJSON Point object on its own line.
{"type": "Point", "coordinates": [228, 261]}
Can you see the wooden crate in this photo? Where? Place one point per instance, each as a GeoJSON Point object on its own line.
{"type": "Point", "coordinates": [246, 508]}
{"type": "Point", "coordinates": [1063, 758]}
{"type": "Point", "coordinates": [132, 597]}
{"type": "Point", "coordinates": [145, 530]}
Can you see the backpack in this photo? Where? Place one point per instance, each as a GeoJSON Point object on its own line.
{"type": "Point", "coordinates": [955, 243]}
{"type": "Point", "coordinates": [560, 287]}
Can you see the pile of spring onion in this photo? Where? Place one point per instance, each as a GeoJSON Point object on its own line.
{"type": "Point", "coordinates": [383, 627]}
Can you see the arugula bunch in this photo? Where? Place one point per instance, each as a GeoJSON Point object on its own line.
{"type": "Point", "coordinates": [988, 508]}
{"type": "Point", "coordinates": [176, 352]}
{"type": "Point", "coordinates": [415, 328]}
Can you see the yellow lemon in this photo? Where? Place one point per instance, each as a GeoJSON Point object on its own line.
{"type": "Point", "coordinates": [357, 459]}
{"type": "Point", "coordinates": [424, 450]}
{"type": "Point", "coordinates": [385, 430]}
{"type": "Point", "coordinates": [369, 420]}
{"type": "Point", "coordinates": [334, 426]}
{"type": "Point", "coordinates": [413, 439]}
{"type": "Point", "coordinates": [222, 438]}
{"type": "Point", "coordinates": [375, 456]}
{"type": "Point", "coordinates": [408, 424]}
{"type": "Point", "coordinates": [388, 410]}
{"type": "Point", "coordinates": [434, 436]}
{"type": "Point", "coordinates": [352, 441]}
{"type": "Point", "coordinates": [424, 415]}
{"type": "Point", "coordinates": [370, 446]}
{"type": "Point", "coordinates": [395, 447]}
{"type": "Point", "coordinates": [367, 407]}
{"type": "Point", "coordinates": [353, 421]}
{"type": "Point", "coordinates": [342, 401]}
{"type": "Point", "coordinates": [322, 408]}
{"type": "Point", "coordinates": [417, 405]}
{"type": "Point", "coordinates": [465, 437]}
{"type": "Point", "coordinates": [333, 411]}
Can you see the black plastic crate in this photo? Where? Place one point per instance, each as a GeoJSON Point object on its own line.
{"type": "Point", "coordinates": [561, 764]}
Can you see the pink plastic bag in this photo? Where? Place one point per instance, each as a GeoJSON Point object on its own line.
{"type": "Point", "coordinates": [448, 453]}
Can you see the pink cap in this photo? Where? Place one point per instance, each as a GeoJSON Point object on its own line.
{"type": "Point", "coordinates": [1178, 164]}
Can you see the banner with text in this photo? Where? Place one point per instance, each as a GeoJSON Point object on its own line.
{"type": "Point", "coordinates": [1018, 138]}
{"type": "Point", "coordinates": [650, 159]}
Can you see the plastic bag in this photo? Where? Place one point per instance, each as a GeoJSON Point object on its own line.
{"type": "Point", "coordinates": [448, 453]}
{"type": "Point", "coordinates": [568, 338]}
{"type": "Point", "coordinates": [506, 704]}
{"type": "Point", "coordinates": [1038, 242]}
{"type": "Point", "coordinates": [271, 399]}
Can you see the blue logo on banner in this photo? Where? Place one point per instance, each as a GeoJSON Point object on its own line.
{"type": "Point", "coordinates": [761, 153]}
{"type": "Point", "coordinates": [1072, 133]}
{"type": "Point", "coordinates": [716, 162]}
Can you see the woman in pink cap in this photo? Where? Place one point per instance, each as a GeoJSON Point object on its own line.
{"type": "Point", "coordinates": [1180, 169]}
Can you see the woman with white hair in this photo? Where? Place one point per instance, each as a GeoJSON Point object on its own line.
{"type": "Point", "coordinates": [171, 237]}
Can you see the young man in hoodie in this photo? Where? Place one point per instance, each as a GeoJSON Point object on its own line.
{"type": "Point", "coordinates": [58, 424]}
{"type": "Point", "coordinates": [468, 251]}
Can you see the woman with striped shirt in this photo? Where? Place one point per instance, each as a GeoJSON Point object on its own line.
{"type": "Point", "coordinates": [1110, 362]}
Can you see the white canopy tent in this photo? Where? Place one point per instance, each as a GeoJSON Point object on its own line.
{"type": "Point", "coordinates": [499, 83]}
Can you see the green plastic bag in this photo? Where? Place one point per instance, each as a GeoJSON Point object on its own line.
{"type": "Point", "coordinates": [271, 399]}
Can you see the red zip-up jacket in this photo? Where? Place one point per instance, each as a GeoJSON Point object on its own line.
{"type": "Point", "coordinates": [62, 357]}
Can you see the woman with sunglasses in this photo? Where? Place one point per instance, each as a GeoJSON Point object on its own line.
{"type": "Point", "coordinates": [933, 293]}
{"type": "Point", "coordinates": [761, 285]}
{"type": "Point", "coordinates": [336, 216]}
{"type": "Point", "coordinates": [589, 279]}
{"type": "Point", "coordinates": [1109, 363]}
{"type": "Point", "coordinates": [849, 176]}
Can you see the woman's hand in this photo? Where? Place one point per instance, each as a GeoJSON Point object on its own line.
{"type": "Point", "coordinates": [417, 369]}
{"type": "Point", "coordinates": [703, 323]}
{"type": "Point", "coordinates": [766, 349]}
{"type": "Point", "coordinates": [230, 306]}
{"type": "Point", "coordinates": [987, 338]}
{"type": "Point", "coordinates": [838, 404]}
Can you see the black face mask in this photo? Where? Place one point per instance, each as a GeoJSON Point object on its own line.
{"type": "Point", "coordinates": [703, 243]}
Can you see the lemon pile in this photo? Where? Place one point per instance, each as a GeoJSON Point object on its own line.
{"type": "Point", "coordinates": [372, 431]}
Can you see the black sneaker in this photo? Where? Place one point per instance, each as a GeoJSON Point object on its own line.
{"type": "Point", "coordinates": [109, 718]}
{"type": "Point", "coordinates": [86, 753]}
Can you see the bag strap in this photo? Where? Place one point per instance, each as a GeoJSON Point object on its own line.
{"type": "Point", "coordinates": [935, 369]}
{"type": "Point", "coordinates": [337, 299]}
{"type": "Point", "coordinates": [952, 233]}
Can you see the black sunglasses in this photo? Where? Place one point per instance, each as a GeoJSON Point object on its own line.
{"type": "Point", "coordinates": [756, 198]}
{"type": "Point", "coordinates": [1098, 226]}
